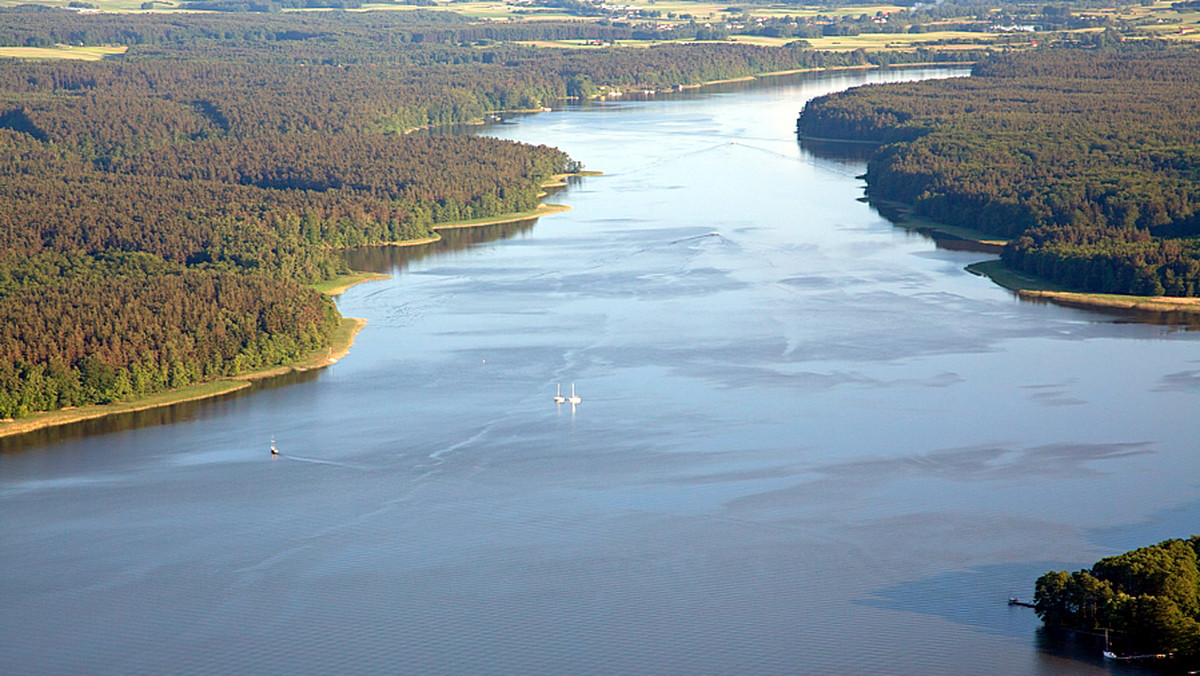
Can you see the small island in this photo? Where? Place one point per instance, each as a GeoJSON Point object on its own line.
{"type": "Point", "coordinates": [1143, 604]}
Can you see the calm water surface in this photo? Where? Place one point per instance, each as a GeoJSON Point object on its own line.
{"type": "Point", "coordinates": [809, 443]}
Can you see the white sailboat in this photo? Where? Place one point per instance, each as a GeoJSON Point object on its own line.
{"type": "Point", "coordinates": [1110, 655]}
{"type": "Point", "coordinates": [274, 451]}
{"type": "Point", "coordinates": [558, 396]}
{"type": "Point", "coordinates": [1108, 652]}
{"type": "Point", "coordinates": [574, 398]}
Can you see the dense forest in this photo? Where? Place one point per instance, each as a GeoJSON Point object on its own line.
{"type": "Point", "coordinates": [239, 199]}
{"type": "Point", "coordinates": [133, 273]}
{"type": "Point", "coordinates": [1087, 160]}
{"type": "Point", "coordinates": [271, 204]}
{"type": "Point", "coordinates": [83, 330]}
{"type": "Point", "coordinates": [1148, 600]}
{"type": "Point", "coordinates": [161, 211]}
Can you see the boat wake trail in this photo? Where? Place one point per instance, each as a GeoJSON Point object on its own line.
{"type": "Point", "coordinates": [695, 238]}
{"type": "Point", "coordinates": [317, 461]}
{"type": "Point", "coordinates": [436, 455]}
{"type": "Point", "coordinates": [776, 153]}
{"type": "Point", "coordinates": [675, 158]}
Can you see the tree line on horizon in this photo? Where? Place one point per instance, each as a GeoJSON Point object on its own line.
{"type": "Point", "coordinates": [1088, 161]}
{"type": "Point", "coordinates": [345, 33]}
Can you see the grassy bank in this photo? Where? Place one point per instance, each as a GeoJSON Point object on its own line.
{"type": "Point", "coordinates": [560, 180]}
{"type": "Point", "coordinates": [1013, 280]}
{"type": "Point", "coordinates": [902, 215]}
{"type": "Point", "coordinates": [339, 284]}
{"type": "Point", "coordinates": [541, 210]}
{"type": "Point", "coordinates": [1028, 286]}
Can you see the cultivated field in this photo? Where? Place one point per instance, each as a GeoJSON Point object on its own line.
{"type": "Point", "coordinates": [62, 52]}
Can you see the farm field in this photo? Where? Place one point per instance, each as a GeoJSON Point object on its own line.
{"type": "Point", "coordinates": [62, 52]}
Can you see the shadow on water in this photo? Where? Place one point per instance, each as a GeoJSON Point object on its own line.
{"type": "Point", "coordinates": [978, 598]}
{"type": "Point", "coordinates": [845, 158]}
{"type": "Point", "coordinates": [1086, 649]}
{"type": "Point", "coordinates": [164, 415]}
{"type": "Point", "coordinates": [395, 259]}
{"type": "Point", "coordinates": [898, 216]}
{"type": "Point", "coordinates": [1186, 321]}
{"type": "Point", "coordinates": [854, 154]}
{"type": "Point", "coordinates": [838, 150]}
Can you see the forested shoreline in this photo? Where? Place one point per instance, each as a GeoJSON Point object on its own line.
{"type": "Point", "coordinates": [149, 240]}
{"type": "Point", "coordinates": [1087, 161]}
{"type": "Point", "coordinates": [1147, 601]}
{"type": "Point", "coordinates": [162, 213]}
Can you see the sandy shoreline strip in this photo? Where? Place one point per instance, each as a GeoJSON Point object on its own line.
{"type": "Point", "coordinates": [1026, 286]}
{"type": "Point", "coordinates": [1114, 301]}
{"type": "Point", "coordinates": [541, 210]}
{"type": "Point", "coordinates": [343, 340]}
{"type": "Point", "coordinates": [338, 285]}
{"type": "Point", "coordinates": [66, 416]}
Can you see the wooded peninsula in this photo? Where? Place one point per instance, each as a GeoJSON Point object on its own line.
{"type": "Point", "coordinates": [1146, 602]}
{"type": "Point", "coordinates": [1087, 161]}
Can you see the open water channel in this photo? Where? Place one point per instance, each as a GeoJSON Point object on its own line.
{"type": "Point", "coordinates": [809, 442]}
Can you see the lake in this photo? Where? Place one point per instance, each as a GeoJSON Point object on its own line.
{"type": "Point", "coordinates": [809, 442]}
